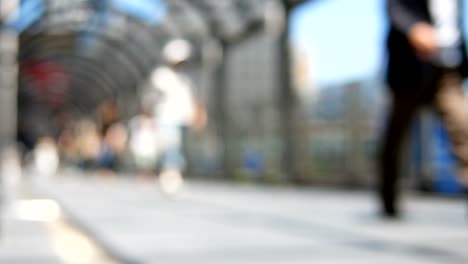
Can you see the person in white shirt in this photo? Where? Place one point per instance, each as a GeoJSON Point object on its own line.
{"type": "Point", "coordinates": [175, 109]}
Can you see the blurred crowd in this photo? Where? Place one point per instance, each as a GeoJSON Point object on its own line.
{"type": "Point", "coordinates": [150, 143]}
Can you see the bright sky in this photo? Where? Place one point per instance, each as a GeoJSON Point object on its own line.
{"type": "Point", "coordinates": [343, 38]}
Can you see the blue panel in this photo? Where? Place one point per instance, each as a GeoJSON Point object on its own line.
{"type": "Point", "coordinates": [149, 11]}
{"type": "Point", "coordinates": [442, 161]}
{"type": "Point", "coordinates": [30, 11]}
{"type": "Point", "coordinates": [254, 162]}
{"type": "Point", "coordinates": [97, 23]}
{"type": "Point", "coordinates": [445, 162]}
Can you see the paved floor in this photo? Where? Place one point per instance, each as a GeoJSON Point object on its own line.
{"type": "Point", "coordinates": [221, 223]}
{"type": "Point", "coordinates": [35, 231]}
{"type": "Point", "coordinates": [26, 242]}
{"type": "Point", "coordinates": [24, 237]}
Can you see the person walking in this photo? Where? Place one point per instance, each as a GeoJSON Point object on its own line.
{"type": "Point", "coordinates": [177, 107]}
{"type": "Point", "coordinates": [426, 66]}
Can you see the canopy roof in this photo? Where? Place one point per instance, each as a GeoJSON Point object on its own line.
{"type": "Point", "coordinates": [75, 53]}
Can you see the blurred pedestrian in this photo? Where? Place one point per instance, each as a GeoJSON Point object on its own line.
{"type": "Point", "coordinates": [113, 148]}
{"type": "Point", "coordinates": [113, 136]}
{"type": "Point", "coordinates": [176, 108]}
{"type": "Point", "coordinates": [46, 160]}
{"type": "Point", "coordinates": [88, 143]}
{"type": "Point", "coordinates": [426, 66]}
{"type": "Point", "coordinates": [67, 145]}
{"type": "Point", "coordinates": [107, 114]}
{"type": "Point", "coordinates": [143, 143]}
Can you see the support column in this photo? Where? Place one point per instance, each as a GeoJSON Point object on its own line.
{"type": "Point", "coordinates": [8, 81]}
{"type": "Point", "coordinates": [287, 102]}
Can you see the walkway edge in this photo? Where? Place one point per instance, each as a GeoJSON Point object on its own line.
{"type": "Point", "coordinates": [74, 220]}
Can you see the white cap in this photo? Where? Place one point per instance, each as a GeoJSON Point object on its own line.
{"type": "Point", "coordinates": [177, 50]}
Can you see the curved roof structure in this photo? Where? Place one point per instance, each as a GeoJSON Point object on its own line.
{"type": "Point", "coordinates": [88, 50]}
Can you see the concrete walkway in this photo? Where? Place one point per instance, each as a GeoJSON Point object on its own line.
{"type": "Point", "coordinates": [25, 236]}
{"type": "Point", "coordinates": [34, 230]}
{"type": "Point", "coordinates": [222, 223]}
{"type": "Point", "coordinates": [26, 242]}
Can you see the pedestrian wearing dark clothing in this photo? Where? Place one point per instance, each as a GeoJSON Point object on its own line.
{"type": "Point", "coordinates": [426, 66]}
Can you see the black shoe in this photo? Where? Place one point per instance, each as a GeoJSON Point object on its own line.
{"type": "Point", "coordinates": [389, 211]}
{"type": "Point", "coordinates": [390, 215]}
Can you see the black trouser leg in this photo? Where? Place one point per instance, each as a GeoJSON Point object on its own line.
{"type": "Point", "coordinates": [401, 115]}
